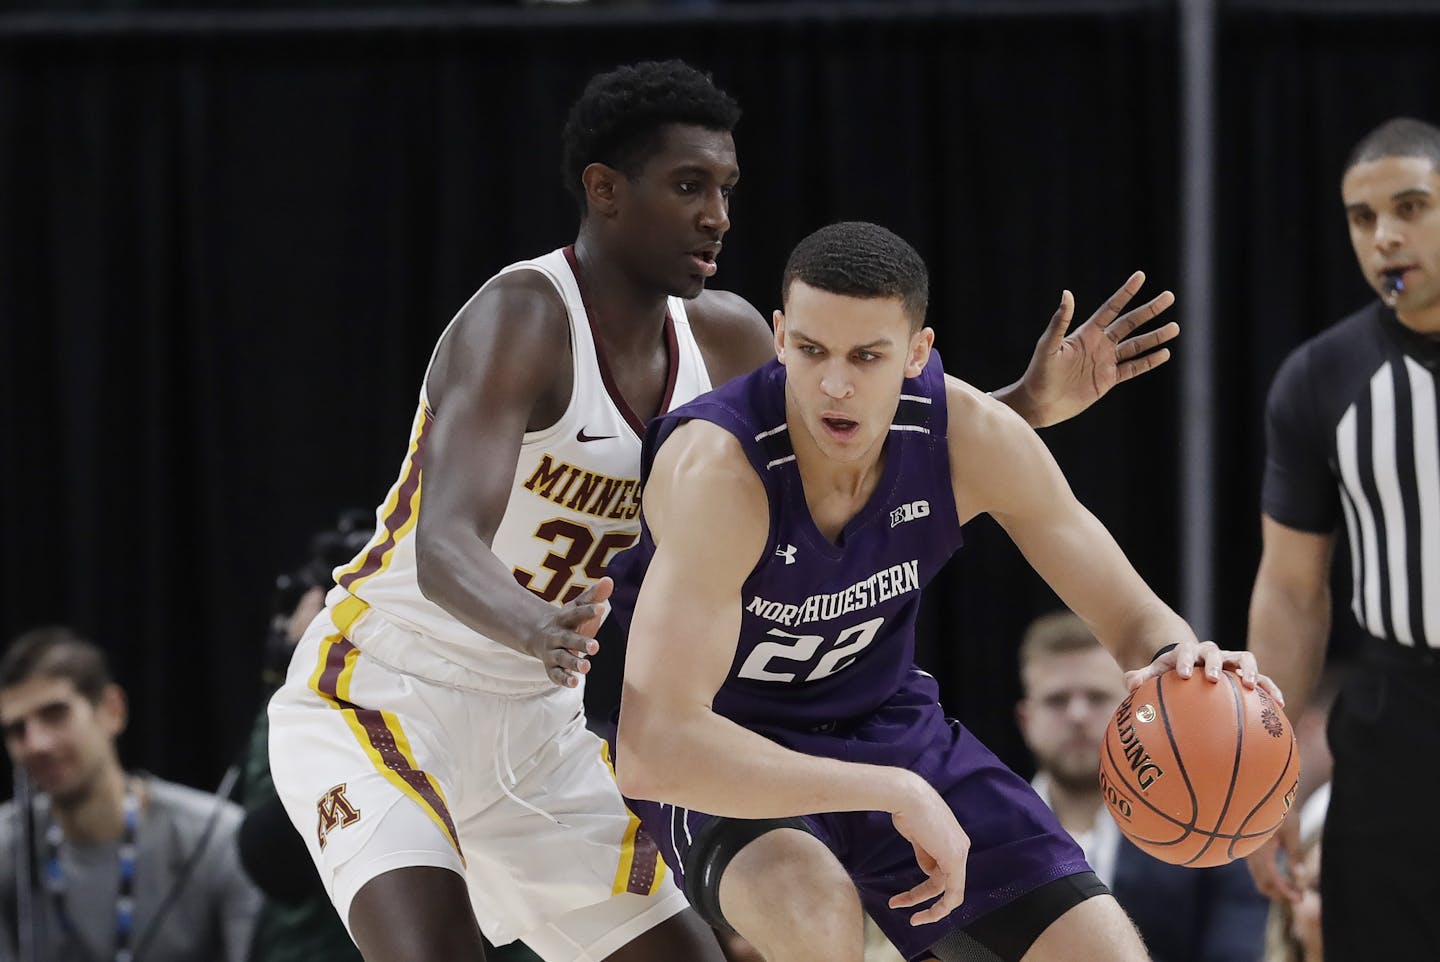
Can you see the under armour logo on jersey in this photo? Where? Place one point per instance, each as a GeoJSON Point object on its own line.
{"type": "Point", "coordinates": [909, 512]}
{"type": "Point", "coordinates": [787, 552]}
{"type": "Point", "coordinates": [335, 811]}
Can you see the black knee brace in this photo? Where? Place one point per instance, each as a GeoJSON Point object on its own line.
{"type": "Point", "coordinates": [717, 842]}
{"type": "Point", "coordinates": [1007, 933]}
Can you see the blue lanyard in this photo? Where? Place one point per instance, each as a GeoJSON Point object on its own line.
{"type": "Point", "coordinates": [124, 896]}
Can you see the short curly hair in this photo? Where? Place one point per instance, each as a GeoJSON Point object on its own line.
{"type": "Point", "coordinates": [859, 259]}
{"type": "Point", "coordinates": [619, 118]}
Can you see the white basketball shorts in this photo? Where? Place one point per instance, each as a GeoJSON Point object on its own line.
{"type": "Point", "coordinates": [380, 769]}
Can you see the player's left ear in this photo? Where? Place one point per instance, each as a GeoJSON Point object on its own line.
{"type": "Point", "coordinates": [920, 343]}
{"type": "Point", "coordinates": [778, 319]}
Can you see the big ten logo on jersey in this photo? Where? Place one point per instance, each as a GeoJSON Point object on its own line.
{"type": "Point", "coordinates": [810, 657]}
{"type": "Point", "coordinates": [335, 812]}
{"type": "Point", "coordinates": [913, 511]}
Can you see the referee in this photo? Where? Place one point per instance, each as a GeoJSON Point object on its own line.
{"type": "Point", "coordinates": [1351, 434]}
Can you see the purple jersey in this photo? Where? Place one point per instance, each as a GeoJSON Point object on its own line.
{"type": "Point", "coordinates": [828, 631]}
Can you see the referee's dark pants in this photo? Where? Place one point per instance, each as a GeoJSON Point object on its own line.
{"type": "Point", "coordinates": [1380, 855]}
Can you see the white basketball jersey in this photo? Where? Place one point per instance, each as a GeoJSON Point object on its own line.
{"type": "Point", "coordinates": [574, 505]}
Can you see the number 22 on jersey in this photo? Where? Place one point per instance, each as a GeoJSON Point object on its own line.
{"type": "Point", "coordinates": [783, 661]}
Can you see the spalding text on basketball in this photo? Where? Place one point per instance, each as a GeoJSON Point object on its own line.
{"type": "Point", "coordinates": [1147, 773]}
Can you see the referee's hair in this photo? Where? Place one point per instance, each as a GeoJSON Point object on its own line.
{"type": "Point", "coordinates": [619, 119]}
{"type": "Point", "coordinates": [55, 651]}
{"type": "Point", "coordinates": [1398, 137]}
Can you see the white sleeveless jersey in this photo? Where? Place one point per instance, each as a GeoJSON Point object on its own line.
{"type": "Point", "coordinates": [574, 505]}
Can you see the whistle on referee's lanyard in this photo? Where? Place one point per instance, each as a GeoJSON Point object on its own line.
{"type": "Point", "coordinates": [1393, 284]}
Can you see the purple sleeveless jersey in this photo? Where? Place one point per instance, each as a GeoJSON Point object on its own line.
{"type": "Point", "coordinates": [828, 632]}
{"type": "Point", "coordinates": [824, 662]}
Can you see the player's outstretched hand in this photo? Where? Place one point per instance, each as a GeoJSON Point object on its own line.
{"type": "Point", "coordinates": [1187, 654]}
{"type": "Point", "coordinates": [1274, 865]}
{"type": "Point", "coordinates": [941, 848]}
{"type": "Point", "coordinates": [566, 640]}
{"type": "Point", "coordinates": [1067, 374]}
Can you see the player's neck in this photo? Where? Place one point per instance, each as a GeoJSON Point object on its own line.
{"type": "Point", "coordinates": [630, 314]}
{"type": "Point", "coordinates": [98, 813]}
{"type": "Point", "coordinates": [1077, 807]}
{"type": "Point", "coordinates": [851, 481]}
{"type": "Point", "coordinates": [835, 491]}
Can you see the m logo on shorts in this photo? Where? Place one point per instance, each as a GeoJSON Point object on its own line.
{"type": "Point", "coordinates": [335, 812]}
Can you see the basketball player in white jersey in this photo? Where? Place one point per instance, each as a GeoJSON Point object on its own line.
{"type": "Point", "coordinates": [429, 742]}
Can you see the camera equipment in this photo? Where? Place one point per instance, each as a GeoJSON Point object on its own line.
{"type": "Point", "coordinates": [329, 549]}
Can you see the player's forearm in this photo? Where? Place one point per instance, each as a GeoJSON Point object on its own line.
{"type": "Point", "coordinates": [1151, 626]}
{"type": "Point", "coordinates": [1287, 634]}
{"type": "Point", "coordinates": [1081, 561]}
{"type": "Point", "coordinates": [703, 761]}
{"type": "Point", "coordinates": [462, 575]}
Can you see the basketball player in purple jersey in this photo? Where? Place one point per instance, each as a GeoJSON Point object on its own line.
{"type": "Point", "coordinates": [801, 766]}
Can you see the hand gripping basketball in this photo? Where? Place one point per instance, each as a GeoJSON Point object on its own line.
{"type": "Point", "coordinates": [1183, 656]}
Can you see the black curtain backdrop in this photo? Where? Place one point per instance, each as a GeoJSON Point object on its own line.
{"type": "Point", "coordinates": [227, 244]}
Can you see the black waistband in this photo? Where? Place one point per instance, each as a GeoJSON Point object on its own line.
{"type": "Point", "coordinates": [1392, 654]}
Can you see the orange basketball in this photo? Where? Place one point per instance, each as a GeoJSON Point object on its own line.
{"type": "Point", "coordinates": [1197, 772]}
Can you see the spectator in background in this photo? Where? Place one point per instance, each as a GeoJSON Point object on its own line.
{"type": "Point", "coordinates": [126, 864]}
{"type": "Point", "coordinates": [1071, 686]}
{"type": "Point", "coordinates": [1294, 933]}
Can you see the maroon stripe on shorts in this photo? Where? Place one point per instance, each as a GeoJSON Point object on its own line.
{"type": "Point", "coordinates": [644, 865]}
{"type": "Point", "coordinates": [382, 739]}
{"type": "Point", "coordinates": [334, 664]}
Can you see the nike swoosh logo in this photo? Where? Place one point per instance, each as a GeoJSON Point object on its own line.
{"type": "Point", "coordinates": [582, 437]}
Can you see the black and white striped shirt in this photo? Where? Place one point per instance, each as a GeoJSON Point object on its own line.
{"type": "Point", "coordinates": [1352, 433]}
